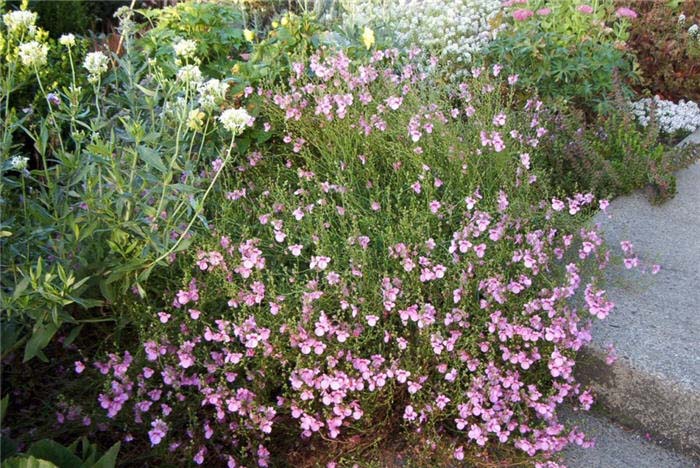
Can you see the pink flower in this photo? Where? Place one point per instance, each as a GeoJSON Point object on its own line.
{"type": "Point", "coordinates": [522, 14]}
{"type": "Point", "coordinates": [624, 12]}
{"type": "Point", "coordinates": [409, 414]}
{"type": "Point", "coordinates": [319, 263]}
{"type": "Point", "coordinates": [164, 317]}
{"type": "Point", "coordinates": [459, 453]}
{"type": "Point", "coordinates": [158, 432]}
{"type": "Point", "coordinates": [585, 9]}
{"type": "Point", "coordinates": [544, 11]}
{"type": "Point", "coordinates": [79, 367]}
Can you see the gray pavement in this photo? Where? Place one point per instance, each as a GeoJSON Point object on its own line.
{"type": "Point", "coordinates": [655, 326]}
{"type": "Point", "coordinates": [616, 447]}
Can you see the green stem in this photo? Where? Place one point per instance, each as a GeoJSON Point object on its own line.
{"type": "Point", "coordinates": [200, 206]}
{"type": "Point", "coordinates": [169, 175]}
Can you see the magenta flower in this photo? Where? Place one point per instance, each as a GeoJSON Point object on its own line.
{"type": "Point", "coordinates": [544, 11]}
{"type": "Point", "coordinates": [624, 12]}
{"type": "Point", "coordinates": [585, 9]}
{"type": "Point", "coordinates": [522, 14]}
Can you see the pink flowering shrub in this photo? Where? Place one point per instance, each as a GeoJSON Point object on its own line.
{"type": "Point", "coordinates": [395, 253]}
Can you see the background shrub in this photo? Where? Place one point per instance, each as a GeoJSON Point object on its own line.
{"type": "Point", "coordinates": [668, 55]}
{"type": "Point", "coordinates": [567, 53]}
{"type": "Point", "coordinates": [610, 156]}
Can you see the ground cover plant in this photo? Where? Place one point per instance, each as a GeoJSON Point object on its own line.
{"type": "Point", "coordinates": [300, 260]}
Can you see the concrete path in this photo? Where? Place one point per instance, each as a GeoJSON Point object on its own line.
{"type": "Point", "coordinates": [617, 447]}
{"type": "Point", "coordinates": [655, 327]}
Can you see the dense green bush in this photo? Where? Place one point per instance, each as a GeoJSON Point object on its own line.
{"type": "Point", "coordinates": [217, 29]}
{"type": "Point", "coordinates": [566, 52]}
{"type": "Point", "coordinates": [610, 156]}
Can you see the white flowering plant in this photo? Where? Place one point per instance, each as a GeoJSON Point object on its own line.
{"type": "Point", "coordinates": [107, 178]}
{"type": "Point", "coordinates": [673, 119]}
{"type": "Point", "coordinates": [455, 30]}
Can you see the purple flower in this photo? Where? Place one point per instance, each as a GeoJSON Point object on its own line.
{"type": "Point", "coordinates": [158, 432]}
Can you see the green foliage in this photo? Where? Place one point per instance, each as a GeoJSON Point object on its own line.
{"type": "Point", "coordinates": [68, 16]}
{"type": "Point", "coordinates": [216, 27]}
{"type": "Point", "coordinates": [567, 55]}
{"type": "Point", "coordinates": [50, 454]}
{"type": "Point", "coordinates": [610, 156]}
{"type": "Point", "coordinates": [97, 190]}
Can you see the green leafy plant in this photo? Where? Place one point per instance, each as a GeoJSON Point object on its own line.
{"type": "Point", "coordinates": [47, 453]}
{"type": "Point", "coordinates": [112, 185]}
{"type": "Point", "coordinates": [216, 27]}
{"type": "Point", "coordinates": [610, 156]}
{"type": "Point", "coordinates": [566, 54]}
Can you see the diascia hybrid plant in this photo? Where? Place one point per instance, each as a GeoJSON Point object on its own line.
{"type": "Point", "coordinates": [105, 182]}
{"type": "Point", "coordinates": [395, 256]}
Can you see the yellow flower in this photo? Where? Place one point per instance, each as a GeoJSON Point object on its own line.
{"type": "Point", "coordinates": [248, 35]}
{"type": "Point", "coordinates": [195, 119]}
{"type": "Point", "coordinates": [368, 37]}
{"type": "Point", "coordinates": [285, 21]}
{"type": "Point", "coordinates": [275, 24]}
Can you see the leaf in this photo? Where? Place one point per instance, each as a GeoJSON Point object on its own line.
{"type": "Point", "coordinates": [8, 448]}
{"type": "Point", "coordinates": [8, 335]}
{"type": "Point", "coordinates": [72, 336]}
{"type": "Point", "coordinates": [27, 462]}
{"type": "Point", "coordinates": [3, 407]}
{"type": "Point", "coordinates": [54, 452]}
{"type": "Point", "coordinates": [20, 287]}
{"type": "Point", "coordinates": [109, 459]}
{"type": "Point", "coordinates": [40, 339]}
{"type": "Point", "coordinates": [151, 158]}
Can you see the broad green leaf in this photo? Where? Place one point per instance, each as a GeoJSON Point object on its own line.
{"type": "Point", "coordinates": [54, 452]}
{"type": "Point", "coordinates": [3, 407]}
{"type": "Point", "coordinates": [40, 339]}
{"type": "Point", "coordinates": [151, 158]}
{"type": "Point", "coordinates": [109, 459]}
{"type": "Point", "coordinates": [27, 462]}
{"type": "Point", "coordinates": [8, 448]}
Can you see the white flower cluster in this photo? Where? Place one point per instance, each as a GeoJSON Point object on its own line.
{"type": "Point", "coordinates": [185, 48]}
{"type": "Point", "coordinates": [235, 120]}
{"type": "Point", "coordinates": [190, 74]}
{"type": "Point", "coordinates": [20, 21]}
{"type": "Point", "coordinates": [212, 93]}
{"type": "Point", "coordinates": [671, 117]}
{"type": "Point", "coordinates": [19, 163]}
{"type": "Point", "coordinates": [96, 63]}
{"type": "Point", "coordinates": [457, 30]}
{"type": "Point", "coordinates": [67, 40]}
{"type": "Point", "coordinates": [33, 54]}
{"type": "Point", "coordinates": [694, 32]}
